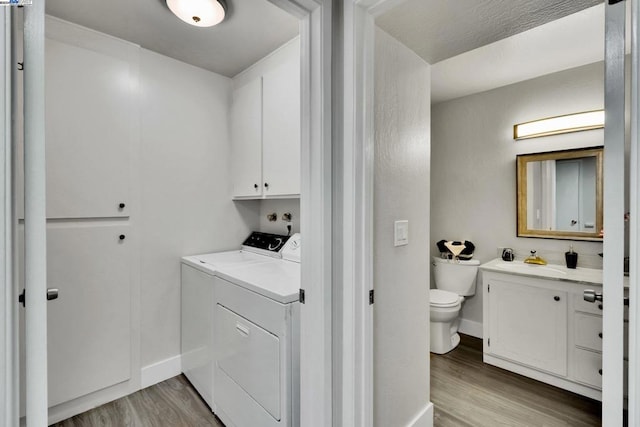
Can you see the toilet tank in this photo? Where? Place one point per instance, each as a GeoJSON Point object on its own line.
{"type": "Point", "coordinates": [456, 276]}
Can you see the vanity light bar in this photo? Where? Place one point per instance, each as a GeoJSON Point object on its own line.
{"type": "Point", "coordinates": [560, 124]}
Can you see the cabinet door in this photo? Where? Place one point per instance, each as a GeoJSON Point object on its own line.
{"type": "Point", "coordinates": [281, 129]}
{"type": "Point", "coordinates": [197, 330]}
{"type": "Point", "coordinates": [89, 325]}
{"type": "Point", "coordinates": [246, 140]}
{"type": "Point", "coordinates": [90, 106]}
{"type": "Point", "coordinates": [528, 325]}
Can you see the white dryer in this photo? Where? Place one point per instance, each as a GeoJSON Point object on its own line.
{"type": "Point", "coordinates": [197, 277]}
{"type": "Point", "coordinates": [256, 370]}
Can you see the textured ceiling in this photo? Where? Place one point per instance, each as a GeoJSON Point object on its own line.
{"type": "Point", "coordinates": [252, 29]}
{"type": "Point", "coordinates": [440, 29]}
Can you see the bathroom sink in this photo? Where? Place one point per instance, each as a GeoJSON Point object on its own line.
{"type": "Point", "coordinates": [521, 267]}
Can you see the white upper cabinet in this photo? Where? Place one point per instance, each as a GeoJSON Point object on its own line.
{"type": "Point", "coordinates": [281, 129]}
{"type": "Point", "coordinates": [246, 134]}
{"type": "Point", "coordinates": [265, 127]}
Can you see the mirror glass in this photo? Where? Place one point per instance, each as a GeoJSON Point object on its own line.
{"type": "Point", "coordinates": [560, 194]}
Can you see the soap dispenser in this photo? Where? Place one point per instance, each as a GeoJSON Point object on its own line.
{"type": "Point", "coordinates": [534, 259]}
{"type": "Point", "coordinates": [571, 257]}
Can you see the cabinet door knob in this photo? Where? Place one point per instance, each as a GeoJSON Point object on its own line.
{"type": "Point", "coordinates": [266, 185]}
{"type": "Point", "coordinates": [121, 205]}
{"type": "Point", "coordinates": [255, 186]}
{"type": "Point", "coordinates": [600, 306]}
{"type": "Point", "coordinates": [600, 334]}
{"type": "Point", "coordinates": [600, 371]}
{"type": "Point", "coordinates": [556, 298]}
{"type": "Point", "coordinates": [121, 237]}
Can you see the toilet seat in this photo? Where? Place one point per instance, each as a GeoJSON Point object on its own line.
{"type": "Point", "coordinates": [440, 298]}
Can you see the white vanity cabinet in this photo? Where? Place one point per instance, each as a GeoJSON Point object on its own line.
{"type": "Point", "coordinates": [265, 127]}
{"type": "Point", "coordinates": [542, 328]}
{"type": "Point", "coordinates": [528, 324]}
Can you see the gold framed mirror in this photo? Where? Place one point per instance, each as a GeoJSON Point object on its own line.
{"type": "Point", "coordinates": [560, 194]}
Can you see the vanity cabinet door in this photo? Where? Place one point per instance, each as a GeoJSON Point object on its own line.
{"type": "Point", "coordinates": [528, 325]}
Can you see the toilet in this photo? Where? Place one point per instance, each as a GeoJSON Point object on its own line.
{"type": "Point", "coordinates": [454, 281]}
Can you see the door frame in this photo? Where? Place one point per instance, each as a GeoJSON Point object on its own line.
{"type": "Point", "coordinates": [316, 209]}
{"type": "Point", "coordinates": [634, 223]}
{"type": "Point", "coordinates": [9, 401]}
{"type": "Point", "coordinates": [613, 245]}
{"type": "Point", "coordinates": [356, 121]}
{"type": "Point", "coordinates": [316, 201]}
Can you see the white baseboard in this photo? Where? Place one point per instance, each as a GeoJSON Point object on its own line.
{"type": "Point", "coordinates": [469, 327]}
{"type": "Point", "coordinates": [160, 371]}
{"type": "Point", "coordinates": [424, 418]}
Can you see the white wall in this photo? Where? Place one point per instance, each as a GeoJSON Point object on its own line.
{"type": "Point", "coordinates": [401, 274]}
{"type": "Point", "coordinates": [473, 165]}
{"type": "Point", "coordinates": [279, 206]}
{"type": "Point", "coordinates": [185, 205]}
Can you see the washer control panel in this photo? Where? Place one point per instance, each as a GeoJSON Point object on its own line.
{"type": "Point", "coordinates": [265, 243]}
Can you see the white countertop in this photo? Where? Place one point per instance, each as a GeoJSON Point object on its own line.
{"type": "Point", "coordinates": [589, 276]}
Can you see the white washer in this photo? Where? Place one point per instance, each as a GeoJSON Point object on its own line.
{"type": "Point", "coordinates": [256, 370]}
{"type": "Point", "coordinates": [197, 326]}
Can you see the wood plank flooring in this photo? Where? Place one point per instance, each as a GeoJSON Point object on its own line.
{"type": "Point", "coordinates": [467, 392]}
{"type": "Point", "coordinates": [172, 403]}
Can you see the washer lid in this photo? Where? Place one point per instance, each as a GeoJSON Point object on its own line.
{"type": "Point", "coordinates": [440, 298]}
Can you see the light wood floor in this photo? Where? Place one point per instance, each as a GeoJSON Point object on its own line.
{"type": "Point", "coordinates": [464, 390]}
{"type": "Point", "coordinates": [172, 403]}
{"type": "Point", "coordinates": [467, 392]}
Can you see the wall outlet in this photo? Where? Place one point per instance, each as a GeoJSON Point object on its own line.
{"type": "Point", "coordinates": [401, 233]}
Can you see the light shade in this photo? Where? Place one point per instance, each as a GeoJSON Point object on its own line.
{"type": "Point", "coordinates": [560, 124]}
{"type": "Point", "coordinates": [201, 13]}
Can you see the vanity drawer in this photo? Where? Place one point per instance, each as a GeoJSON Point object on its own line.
{"type": "Point", "coordinates": [587, 331]}
{"type": "Point", "coordinates": [579, 304]}
{"type": "Point", "coordinates": [586, 367]}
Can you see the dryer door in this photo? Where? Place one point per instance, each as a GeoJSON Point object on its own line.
{"type": "Point", "coordinates": [250, 356]}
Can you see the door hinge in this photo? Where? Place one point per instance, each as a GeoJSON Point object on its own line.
{"type": "Point", "coordinates": [371, 297]}
{"type": "Point", "coordinates": [301, 296]}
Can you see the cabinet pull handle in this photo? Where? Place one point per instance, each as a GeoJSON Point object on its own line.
{"type": "Point", "coordinates": [243, 330]}
{"type": "Point", "coordinates": [556, 298]}
{"type": "Point", "coordinates": [600, 306]}
{"type": "Point", "coordinates": [121, 237]}
{"type": "Point", "coordinates": [600, 334]}
{"type": "Point", "coordinates": [121, 205]}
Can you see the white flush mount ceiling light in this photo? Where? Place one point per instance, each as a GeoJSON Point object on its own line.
{"type": "Point", "coordinates": [561, 124]}
{"type": "Point", "coordinates": [201, 13]}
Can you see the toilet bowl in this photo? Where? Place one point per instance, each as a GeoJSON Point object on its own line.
{"type": "Point", "coordinates": [454, 280]}
{"type": "Point", "coordinates": [444, 308]}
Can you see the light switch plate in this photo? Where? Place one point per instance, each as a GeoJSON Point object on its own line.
{"type": "Point", "coordinates": [401, 233]}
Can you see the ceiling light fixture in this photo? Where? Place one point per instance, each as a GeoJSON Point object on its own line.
{"type": "Point", "coordinates": [561, 124]}
{"type": "Point", "coordinates": [201, 13]}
